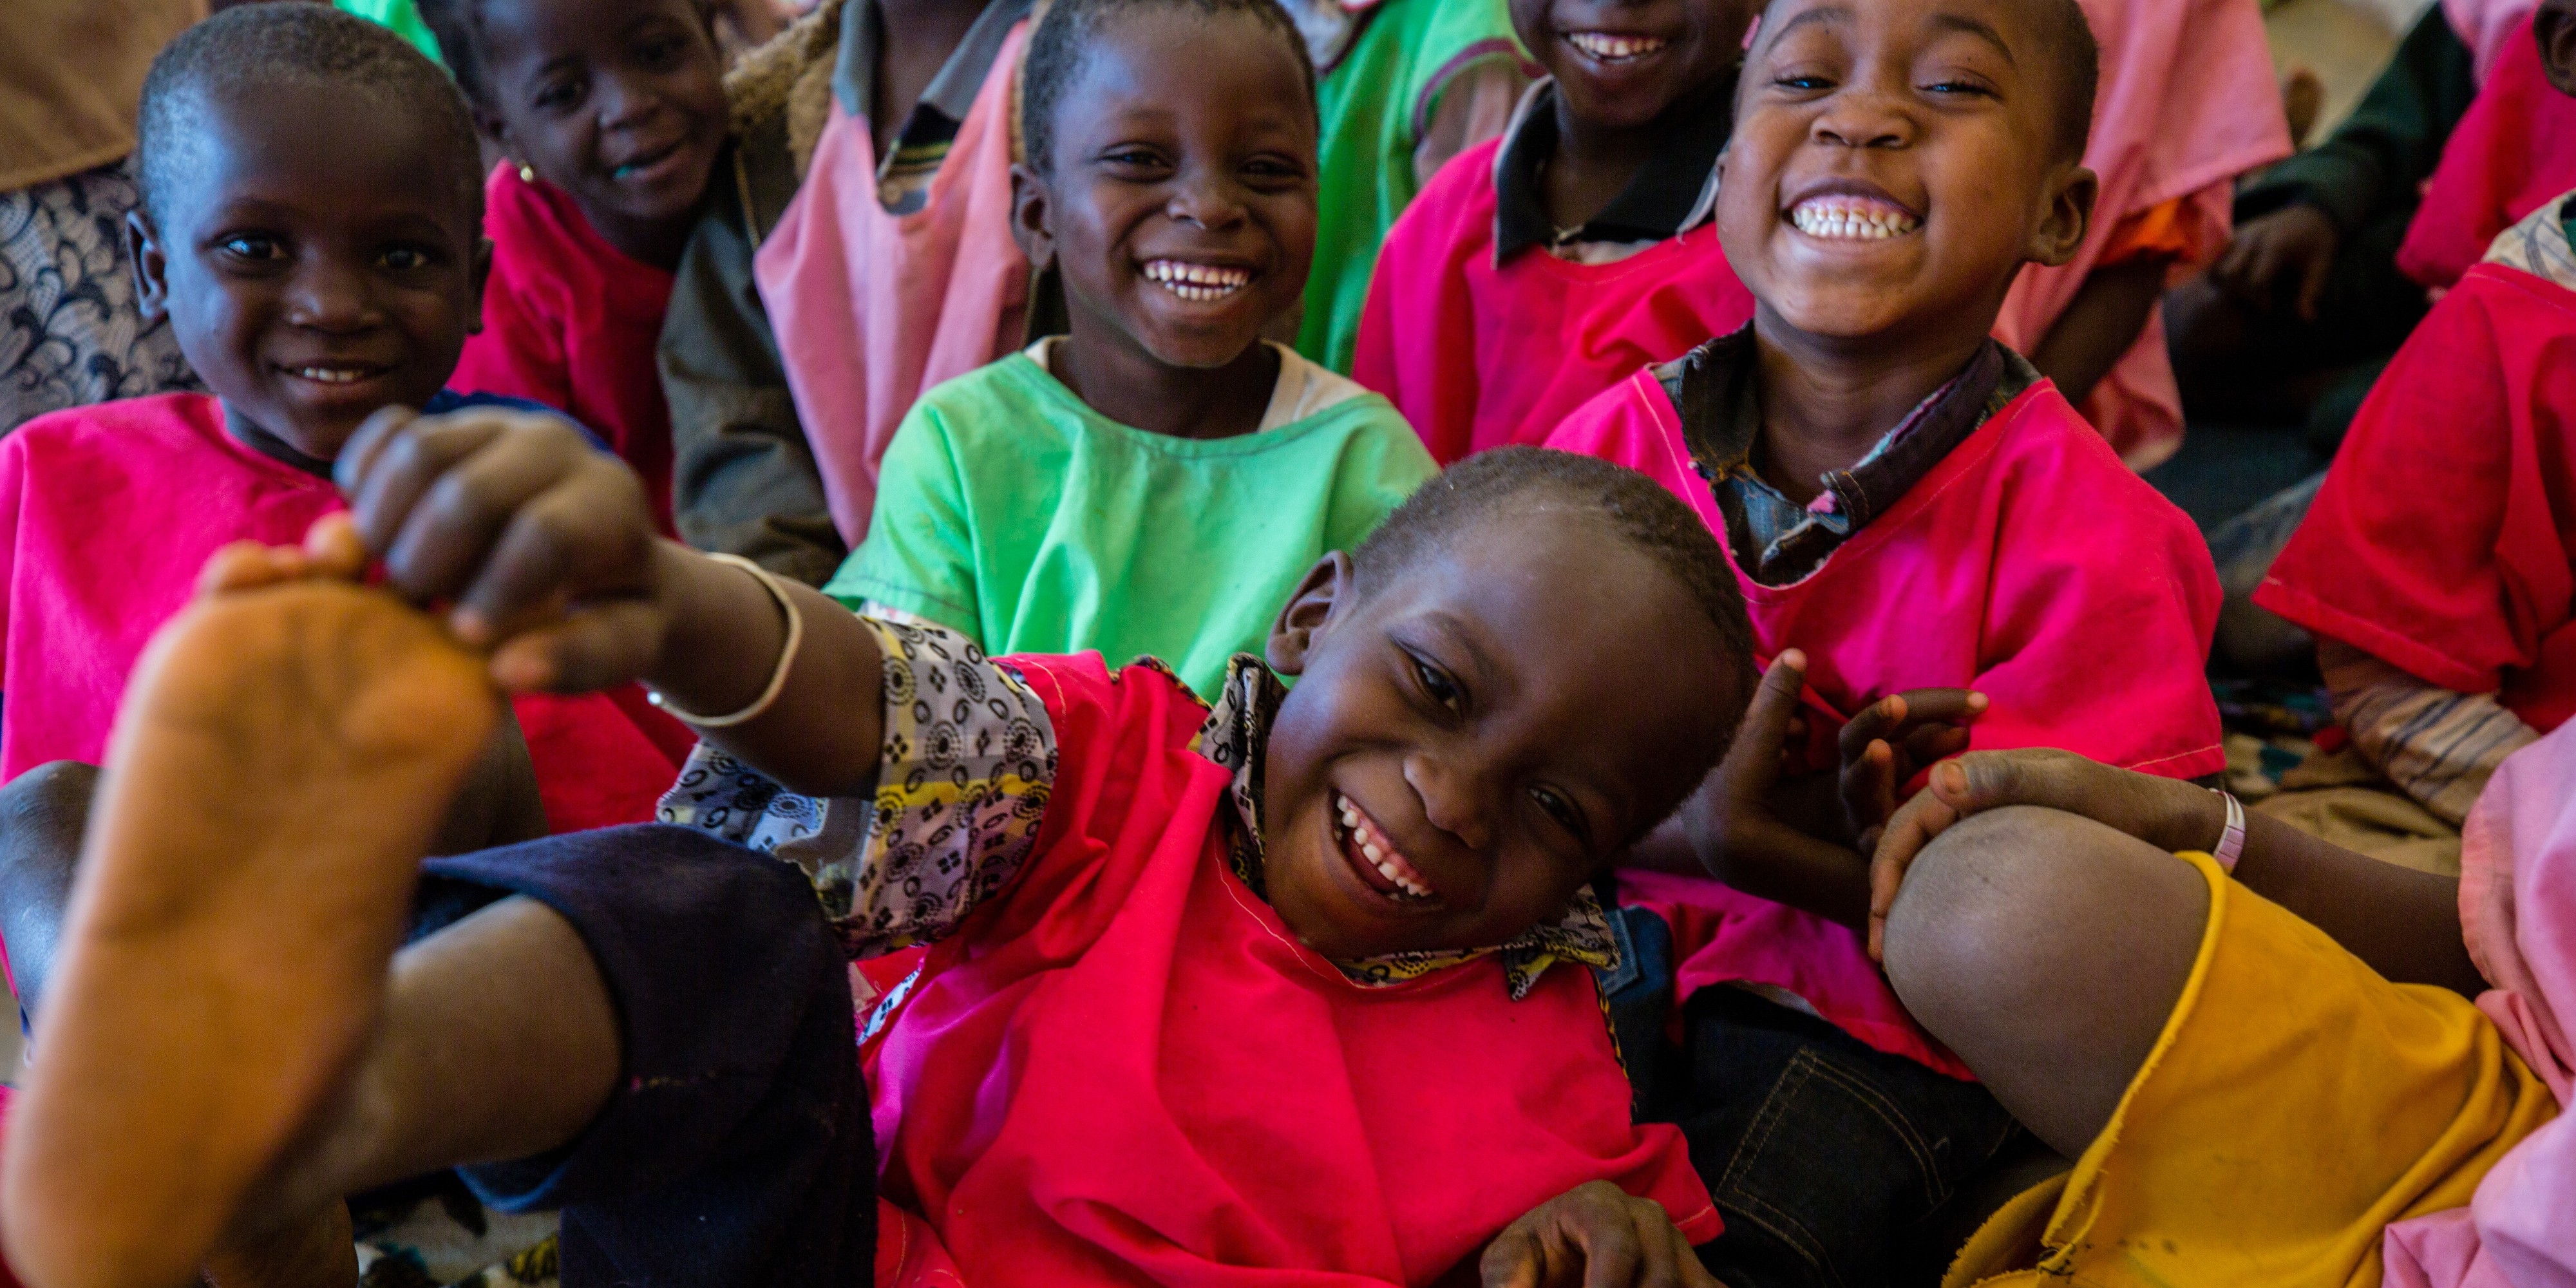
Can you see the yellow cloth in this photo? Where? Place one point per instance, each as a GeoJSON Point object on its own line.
{"type": "Point", "coordinates": [2295, 1105]}
{"type": "Point", "coordinates": [71, 78]}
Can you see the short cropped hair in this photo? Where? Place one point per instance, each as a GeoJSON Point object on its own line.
{"type": "Point", "coordinates": [262, 45]}
{"type": "Point", "coordinates": [1071, 28]}
{"type": "Point", "coordinates": [1632, 507]}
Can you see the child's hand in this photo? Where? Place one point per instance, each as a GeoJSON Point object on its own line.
{"type": "Point", "coordinates": [2163, 812]}
{"type": "Point", "coordinates": [1594, 1236]}
{"type": "Point", "coordinates": [1884, 747]}
{"type": "Point", "coordinates": [2291, 249]}
{"type": "Point", "coordinates": [1733, 820]}
{"type": "Point", "coordinates": [544, 545]}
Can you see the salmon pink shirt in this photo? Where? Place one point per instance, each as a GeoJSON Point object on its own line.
{"type": "Point", "coordinates": [2030, 565]}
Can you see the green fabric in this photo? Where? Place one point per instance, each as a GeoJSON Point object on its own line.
{"type": "Point", "coordinates": [1375, 103]}
{"type": "Point", "coordinates": [1011, 511]}
{"type": "Point", "coordinates": [402, 16]}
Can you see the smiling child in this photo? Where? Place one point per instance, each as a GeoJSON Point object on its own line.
{"type": "Point", "coordinates": [312, 275]}
{"type": "Point", "coordinates": [1911, 507]}
{"type": "Point", "coordinates": [1292, 986]}
{"type": "Point", "coordinates": [1190, 472]}
{"type": "Point", "coordinates": [1539, 270]}
{"type": "Point", "coordinates": [612, 116]}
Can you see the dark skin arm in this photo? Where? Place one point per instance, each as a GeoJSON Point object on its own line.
{"type": "Point", "coordinates": [2405, 924]}
{"type": "Point", "coordinates": [545, 549]}
{"type": "Point", "coordinates": [1797, 840]}
{"type": "Point", "coordinates": [1592, 1236]}
{"type": "Point", "coordinates": [2102, 323]}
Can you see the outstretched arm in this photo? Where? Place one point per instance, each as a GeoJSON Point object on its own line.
{"type": "Point", "coordinates": [544, 551]}
{"type": "Point", "coordinates": [2404, 923]}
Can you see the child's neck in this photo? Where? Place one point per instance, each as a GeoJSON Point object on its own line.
{"type": "Point", "coordinates": [270, 445]}
{"type": "Point", "coordinates": [1132, 387]}
{"type": "Point", "coordinates": [1594, 163]}
{"type": "Point", "coordinates": [657, 242]}
{"type": "Point", "coordinates": [1826, 401]}
{"type": "Point", "coordinates": [920, 37]}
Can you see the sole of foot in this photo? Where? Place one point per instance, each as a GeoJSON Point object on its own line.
{"type": "Point", "coordinates": [282, 759]}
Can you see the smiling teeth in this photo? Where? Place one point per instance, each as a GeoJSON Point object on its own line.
{"type": "Point", "coordinates": [1198, 283]}
{"type": "Point", "coordinates": [1848, 219]}
{"type": "Point", "coordinates": [1601, 46]}
{"type": "Point", "coordinates": [331, 375]}
{"type": "Point", "coordinates": [1380, 852]}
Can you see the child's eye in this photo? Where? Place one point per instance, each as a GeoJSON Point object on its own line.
{"type": "Point", "coordinates": [556, 95]}
{"type": "Point", "coordinates": [1805, 84]}
{"type": "Point", "coordinates": [1133, 158]}
{"type": "Point", "coordinates": [659, 53]}
{"type": "Point", "coordinates": [1567, 815]}
{"type": "Point", "coordinates": [1956, 87]}
{"type": "Point", "coordinates": [252, 248]}
{"type": "Point", "coordinates": [1437, 685]}
{"type": "Point", "coordinates": [405, 259]}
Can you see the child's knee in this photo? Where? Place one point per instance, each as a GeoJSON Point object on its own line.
{"type": "Point", "coordinates": [1963, 917]}
{"type": "Point", "coordinates": [43, 814]}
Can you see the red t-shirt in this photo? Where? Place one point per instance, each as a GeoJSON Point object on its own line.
{"type": "Point", "coordinates": [1480, 355]}
{"type": "Point", "coordinates": [1121, 1068]}
{"type": "Point", "coordinates": [2029, 565]}
{"type": "Point", "coordinates": [570, 321]}
{"type": "Point", "coordinates": [2515, 149]}
{"type": "Point", "coordinates": [107, 514]}
{"type": "Point", "coordinates": [2441, 542]}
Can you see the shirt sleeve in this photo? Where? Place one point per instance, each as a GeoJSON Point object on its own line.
{"type": "Point", "coordinates": [963, 779]}
{"type": "Point", "coordinates": [2437, 746]}
{"type": "Point", "coordinates": [1383, 466]}
{"type": "Point", "coordinates": [919, 554]}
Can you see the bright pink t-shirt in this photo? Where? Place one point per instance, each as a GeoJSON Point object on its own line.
{"type": "Point", "coordinates": [2515, 149]}
{"type": "Point", "coordinates": [2444, 540]}
{"type": "Point", "coordinates": [2518, 914]}
{"type": "Point", "coordinates": [1123, 1069]}
{"type": "Point", "coordinates": [2189, 101]}
{"type": "Point", "coordinates": [107, 514]}
{"type": "Point", "coordinates": [2029, 565]}
{"type": "Point", "coordinates": [573, 322]}
{"type": "Point", "coordinates": [872, 308]}
{"type": "Point", "coordinates": [1480, 355]}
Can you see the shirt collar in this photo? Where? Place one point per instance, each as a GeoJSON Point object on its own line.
{"type": "Point", "coordinates": [951, 93]}
{"type": "Point", "coordinates": [1713, 390]}
{"type": "Point", "coordinates": [1673, 193]}
{"type": "Point", "coordinates": [1235, 736]}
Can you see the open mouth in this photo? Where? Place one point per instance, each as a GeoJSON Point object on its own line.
{"type": "Point", "coordinates": [1383, 867]}
{"type": "Point", "coordinates": [1197, 283]}
{"type": "Point", "coordinates": [1610, 47]}
{"type": "Point", "coordinates": [1847, 217]}
{"type": "Point", "coordinates": [645, 162]}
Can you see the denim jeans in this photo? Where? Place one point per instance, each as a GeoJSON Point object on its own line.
{"type": "Point", "coordinates": [1818, 1149]}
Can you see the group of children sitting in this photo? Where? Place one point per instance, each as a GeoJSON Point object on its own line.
{"type": "Point", "coordinates": [1721, 828]}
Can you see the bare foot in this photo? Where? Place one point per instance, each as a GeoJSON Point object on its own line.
{"type": "Point", "coordinates": [285, 752]}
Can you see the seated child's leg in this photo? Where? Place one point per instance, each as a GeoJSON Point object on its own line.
{"type": "Point", "coordinates": [2047, 950]}
{"type": "Point", "coordinates": [234, 1041]}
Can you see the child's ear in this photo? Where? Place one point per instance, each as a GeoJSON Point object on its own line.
{"type": "Point", "coordinates": [2554, 26]}
{"type": "Point", "coordinates": [1031, 217]}
{"type": "Point", "coordinates": [151, 267]}
{"type": "Point", "coordinates": [2070, 212]}
{"type": "Point", "coordinates": [495, 131]}
{"type": "Point", "coordinates": [1327, 586]}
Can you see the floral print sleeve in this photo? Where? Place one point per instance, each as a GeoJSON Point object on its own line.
{"type": "Point", "coordinates": [962, 784]}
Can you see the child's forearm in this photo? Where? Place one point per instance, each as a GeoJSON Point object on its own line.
{"type": "Point", "coordinates": [2108, 314]}
{"type": "Point", "coordinates": [822, 734]}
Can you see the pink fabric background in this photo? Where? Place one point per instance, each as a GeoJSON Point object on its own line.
{"type": "Point", "coordinates": [2515, 149]}
{"type": "Point", "coordinates": [871, 309]}
{"type": "Point", "coordinates": [2188, 102]}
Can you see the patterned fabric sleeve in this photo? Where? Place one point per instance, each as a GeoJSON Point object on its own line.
{"type": "Point", "coordinates": [962, 784]}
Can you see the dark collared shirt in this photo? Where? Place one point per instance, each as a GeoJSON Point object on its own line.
{"type": "Point", "coordinates": [1776, 540]}
{"type": "Point", "coordinates": [1674, 192]}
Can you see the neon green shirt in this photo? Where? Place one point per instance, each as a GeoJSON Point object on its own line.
{"type": "Point", "coordinates": [1012, 512]}
{"type": "Point", "coordinates": [402, 16]}
{"type": "Point", "coordinates": [1377, 100]}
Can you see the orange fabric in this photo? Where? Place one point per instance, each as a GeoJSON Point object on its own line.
{"type": "Point", "coordinates": [2179, 231]}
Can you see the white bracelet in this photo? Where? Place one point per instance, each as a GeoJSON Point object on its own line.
{"type": "Point", "coordinates": [2231, 843]}
{"type": "Point", "coordinates": [777, 678]}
